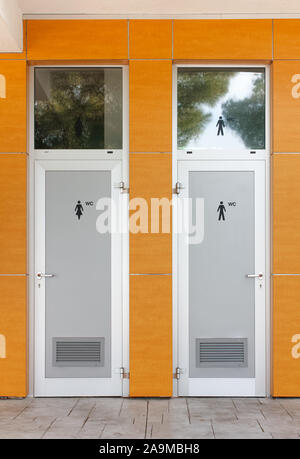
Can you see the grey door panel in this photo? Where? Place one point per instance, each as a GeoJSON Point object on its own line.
{"type": "Point", "coordinates": [221, 298]}
{"type": "Point", "coordinates": [78, 298]}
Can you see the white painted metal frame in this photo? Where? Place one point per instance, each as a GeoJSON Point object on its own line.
{"type": "Point", "coordinates": [224, 154]}
{"type": "Point", "coordinates": [110, 154]}
{"type": "Point", "coordinates": [215, 156]}
{"type": "Point", "coordinates": [219, 386]}
{"type": "Point", "coordinates": [121, 156]}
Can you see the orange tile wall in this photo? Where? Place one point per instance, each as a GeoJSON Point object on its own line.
{"type": "Point", "coordinates": [150, 51]}
{"type": "Point", "coordinates": [77, 39]}
{"type": "Point", "coordinates": [13, 222]}
{"type": "Point", "coordinates": [286, 192]}
{"type": "Point", "coordinates": [150, 124]}
{"type": "Point", "coordinates": [223, 39]}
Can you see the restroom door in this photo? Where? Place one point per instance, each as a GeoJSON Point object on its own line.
{"type": "Point", "coordinates": [222, 276]}
{"type": "Point", "coordinates": [78, 278]}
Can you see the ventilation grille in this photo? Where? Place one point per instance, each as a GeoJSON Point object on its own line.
{"type": "Point", "coordinates": [220, 352]}
{"type": "Point", "coordinates": [78, 352]}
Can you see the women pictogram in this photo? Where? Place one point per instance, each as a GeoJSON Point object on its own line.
{"type": "Point", "coordinates": [79, 210]}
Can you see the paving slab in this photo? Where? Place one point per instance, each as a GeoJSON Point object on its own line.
{"type": "Point", "coordinates": [118, 418]}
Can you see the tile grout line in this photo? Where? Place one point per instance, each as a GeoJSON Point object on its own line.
{"type": "Point", "coordinates": [188, 411]}
{"type": "Point", "coordinates": [212, 428]}
{"type": "Point", "coordinates": [150, 60]}
{"type": "Point", "coordinates": [286, 410]}
{"type": "Point", "coordinates": [128, 39]}
{"type": "Point", "coordinates": [151, 433]}
{"type": "Point", "coordinates": [263, 414]}
{"type": "Point", "coordinates": [94, 407]}
{"type": "Point", "coordinates": [260, 425]}
{"type": "Point", "coordinates": [48, 428]}
{"type": "Point", "coordinates": [73, 407]}
{"type": "Point", "coordinates": [150, 274]}
{"type": "Point", "coordinates": [147, 414]}
{"type": "Point", "coordinates": [88, 416]}
{"type": "Point", "coordinates": [26, 40]}
{"type": "Point", "coordinates": [235, 409]}
{"type": "Point", "coordinates": [22, 411]}
{"type": "Point", "coordinates": [85, 421]}
{"type": "Point", "coordinates": [103, 428]}
{"type": "Point", "coordinates": [172, 39]}
{"type": "Point", "coordinates": [121, 408]}
{"type": "Point", "coordinates": [272, 39]}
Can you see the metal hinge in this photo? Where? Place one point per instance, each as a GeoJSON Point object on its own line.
{"type": "Point", "coordinates": [122, 187]}
{"type": "Point", "coordinates": [178, 187]}
{"type": "Point", "coordinates": [124, 374]}
{"type": "Point", "coordinates": [178, 372]}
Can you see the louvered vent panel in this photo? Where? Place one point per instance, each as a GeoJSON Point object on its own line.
{"type": "Point", "coordinates": [78, 352]}
{"type": "Point", "coordinates": [221, 352]}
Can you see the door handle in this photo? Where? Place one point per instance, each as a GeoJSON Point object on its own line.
{"type": "Point", "coordinates": [252, 276]}
{"type": "Point", "coordinates": [41, 275]}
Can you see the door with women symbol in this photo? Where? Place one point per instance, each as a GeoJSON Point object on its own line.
{"type": "Point", "coordinates": [79, 230]}
{"type": "Point", "coordinates": [78, 280]}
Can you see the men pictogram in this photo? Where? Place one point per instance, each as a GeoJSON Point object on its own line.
{"type": "Point", "coordinates": [221, 210]}
{"type": "Point", "coordinates": [220, 125]}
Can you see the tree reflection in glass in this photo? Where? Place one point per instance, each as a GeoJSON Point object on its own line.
{"type": "Point", "coordinates": [78, 108]}
{"type": "Point", "coordinates": [221, 108]}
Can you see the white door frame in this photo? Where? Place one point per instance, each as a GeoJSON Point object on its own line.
{"type": "Point", "coordinates": [223, 386]}
{"type": "Point", "coordinates": [71, 155]}
{"type": "Point", "coordinates": [214, 156]}
{"type": "Point", "coordinates": [78, 386]}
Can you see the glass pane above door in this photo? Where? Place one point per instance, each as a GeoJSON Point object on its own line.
{"type": "Point", "coordinates": [78, 108]}
{"type": "Point", "coordinates": [221, 108]}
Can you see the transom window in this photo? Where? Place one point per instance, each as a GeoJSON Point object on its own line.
{"type": "Point", "coordinates": [221, 108]}
{"type": "Point", "coordinates": [78, 108]}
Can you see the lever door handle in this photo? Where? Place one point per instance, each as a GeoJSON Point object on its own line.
{"type": "Point", "coordinates": [41, 275]}
{"type": "Point", "coordinates": [259, 276]}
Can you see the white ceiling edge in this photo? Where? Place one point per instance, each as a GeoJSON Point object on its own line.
{"type": "Point", "coordinates": [165, 16]}
{"type": "Point", "coordinates": [158, 7]}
